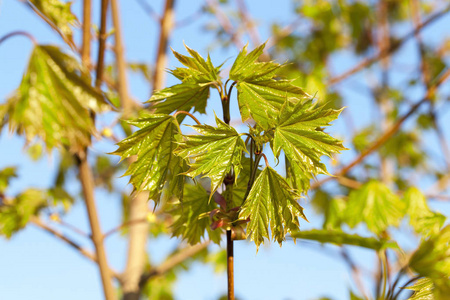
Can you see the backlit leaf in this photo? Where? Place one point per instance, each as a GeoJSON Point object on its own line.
{"type": "Point", "coordinates": [298, 132]}
{"type": "Point", "coordinates": [215, 152]}
{"type": "Point", "coordinates": [421, 218]}
{"type": "Point", "coordinates": [340, 238]}
{"type": "Point", "coordinates": [375, 205]}
{"type": "Point", "coordinates": [54, 101]}
{"type": "Point", "coordinates": [153, 144]}
{"type": "Point", "coordinates": [189, 223]}
{"type": "Point", "coordinates": [271, 202]}
{"type": "Point", "coordinates": [260, 95]}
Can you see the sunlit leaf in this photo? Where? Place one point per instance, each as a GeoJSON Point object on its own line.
{"type": "Point", "coordinates": [153, 144]}
{"type": "Point", "coordinates": [6, 174]}
{"type": "Point", "coordinates": [340, 238]}
{"type": "Point", "coordinates": [423, 290]}
{"type": "Point", "coordinates": [59, 13]}
{"type": "Point", "coordinates": [421, 218]}
{"type": "Point", "coordinates": [298, 132]}
{"type": "Point", "coordinates": [375, 205]}
{"type": "Point", "coordinates": [15, 214]}
{"type": "Point", "coordinates": [271, 202]}
{"type": "Point", "coordinates": [215, 152]}
{"type": "Point", "coordinates": [191, 223]}
{"type": "Point", "coordinates": [260, 96]}
{"type": "Point", "coordinates": [184, 96]}
{"type": "Point", "coordinates": [54, 101]}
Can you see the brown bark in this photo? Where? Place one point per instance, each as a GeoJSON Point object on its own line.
{"type": "Point", "coordinates": [167, 23]}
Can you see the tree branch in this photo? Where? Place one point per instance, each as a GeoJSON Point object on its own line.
{"type": "Point", "coordinates": [173, 261]}
{"type": "Point", "coordinates": [86, 253]}
{"type": "Point", "coordinates": [388, 133]}
{"type": "Point", "coordinates": [166, 26]}
{"type": "Point", "coordinates": [86, 26]}
{"type": "Point", "coordinates": [393, 47]}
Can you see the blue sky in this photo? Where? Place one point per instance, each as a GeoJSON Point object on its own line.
{"type": "Point", "coordinates": [33, 265]}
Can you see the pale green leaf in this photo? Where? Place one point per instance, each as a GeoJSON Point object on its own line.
{"type": "Point", "coordinates": [421, 218]}
{"type": "Point", "coordinates": [15, 214]}
{"type": "Point", "coordinates": [423, 290]}
{"type": "Point", "coordinates": [191, 223]}
{"type": "Point", "coordinates": [198, 69]}
{"type": "Point", "coordinates": [298, 132]}
{"type": "Point", "coordinates": [184, 96]}
{"type": "Point", "coordinates": [271, 202]}
{"type": "Point", "coordinates": [59, 13]}
{"type": "Point", "coordinates": [375, 205]}
{"type": "Point", "coordinates": [54, 101]}
{"type": "Point", "coordinates": [262, 100]}
{"type": "Point", "coordinates": [432, 258]}
{"type": "Point", "coordinates": [260, 95]}
{"type": "Point", "coordinates": [153, 144]}
{"type": "Point", "coordinates": [6, 174]}
{"type": "Point", "coordinates": [215, 152]}
{"type": "Point", "coordinates": [341, 238]}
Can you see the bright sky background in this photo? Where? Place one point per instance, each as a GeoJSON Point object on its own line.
{"type": "Point", "coordinates": [34, 265]}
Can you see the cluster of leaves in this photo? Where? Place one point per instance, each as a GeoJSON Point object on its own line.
{"type": "Point", "coordinates": [284, 116]}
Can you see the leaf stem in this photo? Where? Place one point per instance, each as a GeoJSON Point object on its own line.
{"type": "Point", "coordinates": [14, 33]}
{"type": "Point", "coordinates": [252, 177]}
{"type": "Point", "coordinates": [383, 258]}
{"type": "Point", "coordinates": [265, 159]}
{"type": "Point", "coordinates": [188, 114]}
{"type": "Point", "coordinates": [230, 89]}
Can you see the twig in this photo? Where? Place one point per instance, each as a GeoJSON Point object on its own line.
{"type": "Point", "coordinates": [225, 23]}
{"type": "Point", "coordinates": [166, 26]}
{"type": "Point", "coordinates": [172, 262]}
{"type": "Point", "coordinates": [101, 44]}
{"type": "Point", "coordinates": [356, 273]}
{"type": "Point", "coordinates": [388, 133]}
{"type": "Point", "coordinates": [123, 225]}
{"type": "Point", "coordinates": [15, 33]}
{"type": "Point", "coordinates": [369, 61]}
{"type": "Point", "coordinates": [149, 10]}
{"type": "Point", "coordinates": [188, 114]}
{"type": "Point", "coordinates": [122, 82]}
{"type": "Point", "coordinates": [250, 27]}
{"type": "Point", "coordinates": [86, 43]}
{"type": "Point", "coordinates": [86, 253]}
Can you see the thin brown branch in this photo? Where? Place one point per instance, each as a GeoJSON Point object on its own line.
{"type": "Point", "coordinates": [86, 27]}
{"type": "Point", "coordinates": [15, 33]}
{"type": "Point", "coordinates": [356, 273]}
{"type": "Point", "coordinates": [122, 82]}
{"type": "Point", "coordinates": [393, 47]}
{"type": "Point", "coordinates": [173, 261]}
{"type": "Point", "coordinates": [124, 225]}
{"type": "Point", "coordinates": [149, 10]}
{"type": "Point", "coordinates": [251, 28]}
{"type": "Point", "coordinates": [284, 32]}
{"type": "Point", "coordinates": [225, 23]}
{"type": "Point", "coordinates": [67, 40]}
{"type": "Point", "coordinates": [166, 26]}
{"type": "Point", "coordinates": [188, 114]}
{"type": "Point", "coordinates": [101, 44]}
{"type": "Point", "coordinates": [230, 265]}
{"type": "Point", "coordinates": [86, 253]}
{"type": "Point", "coordinates": [388, 133]}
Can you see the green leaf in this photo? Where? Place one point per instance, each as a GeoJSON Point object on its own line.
{"type": "Point", "coordinates": [59, 13]}
{"type": "Point", "coordinates": [215, 152]}
{"type": "Point", "coordinates": [184, 96]}
{"type": "Point", "coordinates": [15, 213]}
{"type": "Point", "coordinates": [423, 290]}
{"type": "Point", "coordinates": [260, 96]}
{"type": "Point", "coordinates": [6, 175]}
{"type": "Point", "coordinates": [271, 201]}
{"type": "Point", "coordinates": [299, 134]}
{"type": "Point", "coordinates": [153, 144]}
{"type": "Point", "coordinates": [375, 205]}
{"type": "Point", "coordinates": [198, 69]}
{"type": "Point", "coordinates": [54, 101]}
{"type": "Point", "coordinates": [340, 238]}
{"type": "Point", "coordinates": [189, 223]}
{"type": "Point", "coordinates": [421, 218]}
{"type": "Point", "coordinates": [432, 258]}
